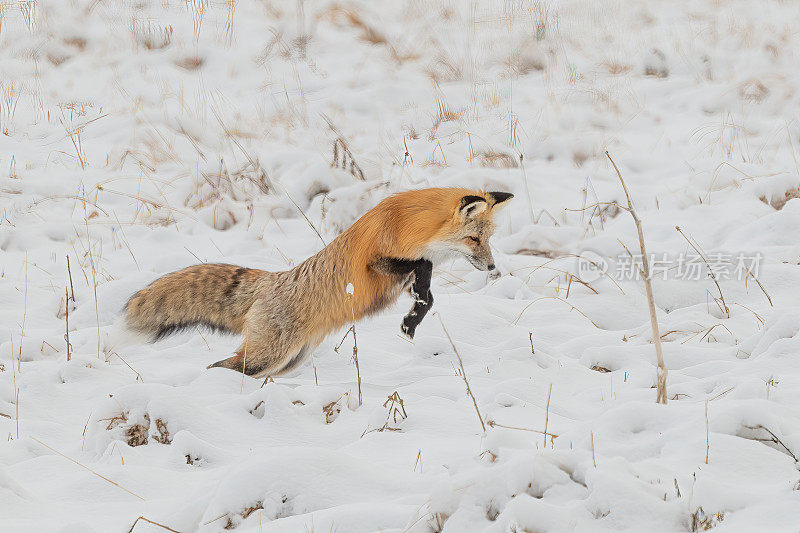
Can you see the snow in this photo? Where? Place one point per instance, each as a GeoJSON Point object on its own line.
{"type": "Point", "coordinates": [142, 137]}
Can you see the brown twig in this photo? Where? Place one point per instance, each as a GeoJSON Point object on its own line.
{"type": "Point", "coordinates": [355, 349]}
{"type": "Point", "coordinates": [24, 317]}
{"type": "Point", "coordinates": [708, 443]}
{"type": "Point", "coordinates": [547, 413]}
{"type": "Point", "coordinates": [94, 270]}
{"type": "Point", "coordinates": [303, 214]}
{"type": "Point", "coordinates": [527, 189]}
{"type": "Point", "coordinates": [774, 439]}
{"type": "Point", "coordinates": [138, 375]}
{"type": "Point", "coordinates": [352, 329]}
{"type": "Point", "coordinates": [760, 286]}
{"type": "Point", "coordinates": [519, 316]}
{"type": "Point", "coordinates": [711, 273]}
{"type": "Point", "coordinates": [151, 522]}
{"type": "Point", "coordinates": [355, 169]}
{"type": "Point", "coordinates": [492, 423]}
{"type": "Point", "coordinates": [463, 372]}
{"type": "Point", "coordinates": [661, 374]}
{"type": "Point", "coordinates": [87, 468]}
{"type": "Point", "coordinates": [71, 288]}
{"type": "Point", "coordinates": [66, 318]}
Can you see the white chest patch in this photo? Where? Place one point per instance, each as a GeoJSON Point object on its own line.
{"type": "Point", "coordinates": [439, 252]}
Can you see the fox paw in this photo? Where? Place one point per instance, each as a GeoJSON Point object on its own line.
{"type": "Point", "coordinates": [408, 330]}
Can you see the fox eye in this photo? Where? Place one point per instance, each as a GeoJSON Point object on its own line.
{"type": "Point", "coordinates": [474, 239]}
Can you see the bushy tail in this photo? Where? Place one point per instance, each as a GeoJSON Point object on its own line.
{"type": "Point", "coordinates": [214, 296]}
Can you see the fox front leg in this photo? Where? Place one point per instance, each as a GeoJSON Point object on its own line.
{"type": "Point", "coordinates": [420, 290]}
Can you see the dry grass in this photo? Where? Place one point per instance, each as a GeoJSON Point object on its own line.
{"type": "Point", "coordinates": [763, 434]}
{"type": "Point", "coordinates": [152, 38]}
{"type": "Point", "coordinates": [701, 521]}
{"type": "Point", "coordinates": [342, 156]}
{"type": "Point", "coordinates": [136, 435]}
{"type": "Point", "coordinates": [350, 291]}
{"type": "Point", "coordinates": [348, 15]}
{"type": "Point", "coordinates": [396, 411]}
{"type": "Point", "coordinates": [753, 91]}
{"type": "Point", "coordinates": [77, 42]}
{"type": "Point", "coordinates": [572, 307]}
{"type": "Point", "coordinates": [162, 526]}
{"type": "Point", "coordinates": [443, 69]}
{"type": "Point", "coordinates": [190, 62]}
{"type": "Point", "coordinates": [463, 372]}
{"type": "Point", "coordinates": [493, 424]}
{"type": "Point", "coordinates": [163, 435]}
{"type": "Point", "coordinates": [344, 14]}
{"type": "Point", "coordinates": [87, 468]}
{"type": "Point", "coordinates": [332, 410]}
{"type": "Point", "coordinates": [10, 93]}
{"type": "Point", "coordinates": [525, 59]}
{"type": "Point", "coordinates": [780, 202]}
{"type": "Point", "coordinates": [198, 10]}
{"type": "Point", "coordinates": [230, 12]}
{"type": "Point", "coordinates": [617, 69]}
{"type": "Point", "coordinates": [444, 113]}
{"type": "Point", "coordinates": [493, 159]}
{"type": "Point", "coordinates": [711, 274]}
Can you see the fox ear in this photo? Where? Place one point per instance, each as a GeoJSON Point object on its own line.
{"type": "Point", "coordinates": [471, 206]}
{"type": "Point", "coordinates": [499, 198]}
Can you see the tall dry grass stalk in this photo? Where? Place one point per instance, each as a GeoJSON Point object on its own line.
{"type": "Point", "coordinates": [463, 372]}
{"type": "Point", "coordinates": [66, 320]}
{"type": "Point", "coordinates": [493, 424]}
{"type": "Point", "coordinates": [527, 189]}
{"type": "Point", "coordinates": [708, 438]}
{"type": "Point", "coordinates": [350, 291]}
{"type": "Point", "coordinates": [71, 288]}
{"type": "Point", "coordinates": [87, 468]}
{"type": "Point", "coordinates": [721, 300]}
{"type": "Point", "coordinates": [93, 268]}
{"type": "Point", "coordinates": [198, 9]}
{"type": "Point", "coordinates": [661, 373]}
{"type": "Point", "coordinates": [547, 413]}
{"type": "Point", "coordinates": [24, 316]}
{"type": "Point", "coordinates": [16, 389]}
{"type": "Point", "coordinates": [231, 12]}
{"type": "Point", "coordinates": [9, 98]}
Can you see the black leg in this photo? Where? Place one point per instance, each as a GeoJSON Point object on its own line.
{"type": "Point", "coordinates": [420, 289]}
{"type": "Point", "coordinates": [423, 298]}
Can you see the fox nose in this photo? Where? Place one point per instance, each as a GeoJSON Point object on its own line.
{"type": "Point", "coordinates": [491, 267]}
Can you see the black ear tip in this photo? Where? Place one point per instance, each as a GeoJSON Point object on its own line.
{"type": "Point", "coordinates": [500, 197]}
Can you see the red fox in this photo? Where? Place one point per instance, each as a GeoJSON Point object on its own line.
{"type": "Point", "coordinates": [283, 316]}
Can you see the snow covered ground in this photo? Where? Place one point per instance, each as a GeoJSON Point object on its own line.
{"type": "Point", "coordinates": [140, 137]}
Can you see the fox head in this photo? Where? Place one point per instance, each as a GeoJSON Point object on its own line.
{"type": "Point", "coordinates": [471, 225]}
